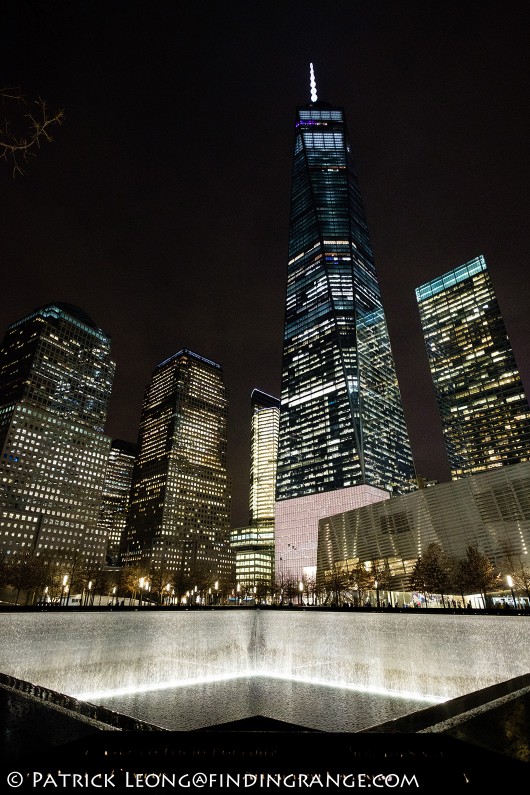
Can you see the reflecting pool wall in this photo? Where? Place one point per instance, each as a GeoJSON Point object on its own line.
{"type": "Point", "coordinates": [436, 656]}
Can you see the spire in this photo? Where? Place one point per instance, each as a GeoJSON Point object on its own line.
{"type": "Point", "coordinates": [313, 83]}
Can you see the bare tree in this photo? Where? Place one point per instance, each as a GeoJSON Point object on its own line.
{"type": "Point", "coordinates": [363, 581]}
{"type": "Point", "coordinates": [130, 580]}
{"type": "Point", "coordinates": [160, 578]}
{"type": "Point", "coordinates": [432, 572]}
{"type": "Point", "coordinates": [25, 126]}
{"type": "Point", "coordinates": [476, 573]}
{"type": "Point", "coordinates": [286, 586]}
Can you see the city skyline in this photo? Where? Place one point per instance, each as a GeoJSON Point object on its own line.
{"type": "Point", "coordinates": [169, 237]}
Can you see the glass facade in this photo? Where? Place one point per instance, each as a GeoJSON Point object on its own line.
{"type": "Point", "coordinates": [179, 514]}
{"type": "Point", "coordinates": [342, 421]}
{"type": "Point", "coordinates": [254, 545]}
{"type": "Point", "coordinates": [490, 511]}
{"type": "Point", "coordinates": [483, 407]}
{"type": "Point", "coordinates": [116, 495]}
{"type": "Point", "coordinates": [55, 381]}
{"type": "Point", "coordinates": [263, 457]}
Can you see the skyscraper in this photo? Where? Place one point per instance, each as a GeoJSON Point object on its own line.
{"type": "Point", "coordinates": [55, 381]}
{"type": "Point", "coordinates": [254, 545]}
{"type": "Point", "coordinates": [179, 514]}
{"type": "Point", "coordinates": [263, 457]}
{"type": "Point", "coordinates": [481, 400]}
{"type": "Point", "coordinates": [342, 426]}
{"type": "Point", "coordinates": [116, 495]}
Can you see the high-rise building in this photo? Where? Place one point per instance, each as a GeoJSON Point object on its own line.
{"type": "Point", "coordinates": [342, 425]}
{"type": "Point", "coordinates": [116, 495]}
{"type": "Point", "coordinates": [254, 545]}
{"type": "Point", "coordinates": [481, 400]}
{"type": "Point", "coordinates": [179, 514]}
{"type": "Point", "coordinates": [55, 381]}
{"type": "Point", "coordinates": [263, 457]}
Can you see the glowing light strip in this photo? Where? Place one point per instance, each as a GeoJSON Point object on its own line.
{"type": "Point", "coordinates": [176, 683]}
{"type": "Point", "coordinates": [382, 691]}
{"type": "Point", "coordinates": [149, 688]}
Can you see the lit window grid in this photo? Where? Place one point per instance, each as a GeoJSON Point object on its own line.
{"type": "Point", "coordinates": [254, 567]}
{"type": "Point", "coordinates": [53, 361]}
{"type": "Point", "coordinates": [51, 474]}
{"type": "Point", "coordinates": [115, 498]}
{"type": "Point", "coordinates": [483, 407]}
{"type": "Point", "coordinates": [263, 457]}
{"type": "Point", "coordinates": [332, 293]}
{"type": "Point", "coordinates": [180, 498]}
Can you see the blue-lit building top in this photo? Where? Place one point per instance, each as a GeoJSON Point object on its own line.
{"type": "Point", "coordinates": [481, 399]}
{"type": "Point", "coordinates": [56, 377]}
{"type": "Point", "coordinates": [342, 421]}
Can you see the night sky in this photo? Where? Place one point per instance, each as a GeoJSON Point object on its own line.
{"type": "Point", "coordinates": [162, 206]}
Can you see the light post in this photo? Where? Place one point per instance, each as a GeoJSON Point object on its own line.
{"type": "Point", "coordinates": [216, 588]}
{"type": "Point", "coordinates": [300, 591]}
{"type": "Point", "coordinates": [238, 590]}
{"type": "Point", "coordinates": [168, 598]}
{"type": "Point", "coordinates": [376, 583]}
{"type": "Point", "coordinates": [89, 592]}
{"type": "Point", "coordinates": [509, 580]}
{"type": "Point", "coordinates": [114, 595]}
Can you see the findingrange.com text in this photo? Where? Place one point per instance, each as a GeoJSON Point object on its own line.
{"type": "Point", "coordinates": [191, 781]}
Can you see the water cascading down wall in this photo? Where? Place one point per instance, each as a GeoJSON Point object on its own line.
{"type": "Point", "coordinates": [430, 656]}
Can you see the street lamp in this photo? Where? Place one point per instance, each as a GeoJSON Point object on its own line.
{"type": "Point", "coordinates": [301, 591]}
{"type": "Point", "coordinates": [89, 590]}
{"type": "Point", "coordinates": [377, 592]}
{"type": "Point", "coordinates": [509, 580]}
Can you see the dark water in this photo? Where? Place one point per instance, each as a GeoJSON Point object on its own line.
{"type": "Point", "coordinates": [311, 706]}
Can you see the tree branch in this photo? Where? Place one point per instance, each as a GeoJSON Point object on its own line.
{"type": "Point", "coordinates": [18, 146]}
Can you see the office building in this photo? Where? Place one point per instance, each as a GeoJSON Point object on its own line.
{"type": "Point", "coordinates": [116, 495]}
{"type": "Point", "coordinates": [482, 403]}
{"type": "Point", "coordinates": [179, 514]}
{"type": "Point", "coordinates": [55, 381]}
{"type": "Point", "coordinates": [489, 511]}
{"type": "Point", "coordinates": [342, 426]}
{"type": "Point", "coordinates": [254, 545]}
